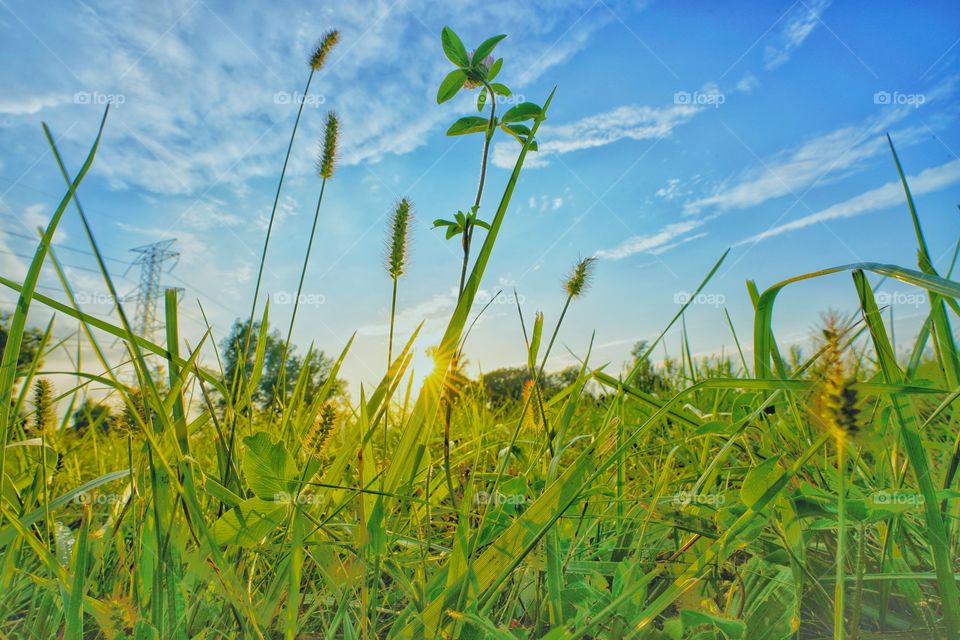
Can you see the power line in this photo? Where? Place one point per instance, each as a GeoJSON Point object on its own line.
{"type": "Point", "coordinates": [85, 252]}
{"type": "Point", "coordinates": [72, 266]}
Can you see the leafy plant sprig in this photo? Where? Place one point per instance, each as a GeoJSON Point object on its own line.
{"type": "Point", "coordinates": [478, 69]}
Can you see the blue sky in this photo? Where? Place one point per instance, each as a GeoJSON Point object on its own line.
{"type": "Point", "coordinates": [678, 130]}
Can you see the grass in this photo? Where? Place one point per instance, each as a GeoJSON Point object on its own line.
{"type": "Point", "coordinates": [784, 498]}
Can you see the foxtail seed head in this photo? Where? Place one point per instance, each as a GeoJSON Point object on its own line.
{"type": "Point", "coordinates": [579, 279]}
{"type": "Point", "coordinates": [320, 434]}
{"type": "Point", "coordinates": [398, 244]}
{"type": "Point", "coordinates": [837, 402]}
{"type": "Point", "coordinates": [328, 150]}
{"type": "Point", "coordinates": [323, 48]}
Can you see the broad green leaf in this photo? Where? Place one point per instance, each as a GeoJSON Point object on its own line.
{"type": "Point", "coordinates": [468, 124]}
{"type": "Point", "coordinates": [500, 89]}
{"type": "Point", "coordinates": [270, 471]}
{"type": "Point", "coordinates": [731, 628]}
{"type": "Point", "coordinates": [495, 69]}
{"type": "Point", "coordinates": [486, 48]}
{"type": "Point", "coordinates": [249, 523]}
{"type": "Point", "coordinates": [453, 47]}
{"type": "Point", "coordinates": [759, 479]}
{"type": "Point", "coordinates": [451, 85]}
{"type": "Point", "coordinates": [521, 112]}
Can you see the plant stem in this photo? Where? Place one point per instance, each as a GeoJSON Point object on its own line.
{"type": "Point", "coordinates": [468, 228]}
{"type": "Point", "coordinates": [839, 631]}
{"type": "Point", "coordinates": [281, 384]}
{"type": "Point", "coordinates": [467, 238]}
{"type": "Point", "coordinates": [386, 417]}
{"type": "Point", "coordinates": [273, 211]}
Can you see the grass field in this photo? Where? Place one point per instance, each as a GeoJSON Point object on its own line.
{"type": "Point", "coordinates": [766, 496]}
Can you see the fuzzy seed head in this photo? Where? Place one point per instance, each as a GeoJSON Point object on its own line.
{"type": "Point", "coordinates": [43, 406]}
{"type": "Point", "coordinates": [579, 279]}
{"type": "Point", "coordinates": [323, 48]}
{"type": "Point", "coordinates": [328, 149]}
{"type": "Point", "coordinates": [320, 434]}
{"type": "Point", "coordinates": [836, 401]}
{"type": "Point", "coordinates": [398, 244]}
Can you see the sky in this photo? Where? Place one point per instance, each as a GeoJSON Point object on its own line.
{"type": "Point", "coordinates": [678, 130]}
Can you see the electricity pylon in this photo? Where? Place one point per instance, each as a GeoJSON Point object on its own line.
{"type": "Point", "coordinates": [151, 259]}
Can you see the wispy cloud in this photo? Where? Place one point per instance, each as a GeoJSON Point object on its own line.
{"type": "Point", "coordinates": [803, 19]}
{"type": "Point", "coordinates": [889, 195]}
{"type": "Point", "coordinates": [664, 238]}
{"type": "Point", "coordinates": [27, 105]}
{"type": "Point", "coordinates": [630, 122]}
{"type": "Point", "coordinates": [194, 112]}
{"type": "Point", "coordinates": [821, 160]}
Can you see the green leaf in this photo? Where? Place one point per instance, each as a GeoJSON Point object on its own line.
{"type": "Point", "coordinates": [451, 85]}
{"type": "Point", "coordinates": [733, 629]}
{"type": "Point", "coordinates": [521, 112]}
{"type": "Point", "coordinates": [486, 48]}
{"type": "Point", "coordinates": [248, 524]}
{"type": "Point", "coordinates": [452, 231]}
{"type": "Point", "coordinates": [468, 124]}
{"type": "Point", "coordinates": [501, 89]}
{"type": "Point", "coordinates": [453, 47]}
{"type": "Point", "coordinates": [758, 480]}
{"type": "Point", "coordinates": [481, 223]}
{"type": "Point", "coordinates": [271, 472]}
{"type": "Point", "coordinates": [481, 100]}
{"type": "Point", "coordinates": [495, 69]}
{"type": "Point", "coordinates": [440, 222]}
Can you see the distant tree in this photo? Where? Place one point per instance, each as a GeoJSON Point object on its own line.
{"type": "Point", "coordinates": [44, 418]}
{"type": "Point", "coordinates": [560, 380]}
{"type": "Point", "coordinates": [505, 385]}
{"type": "Point", "coordinates": [269, 392]}
{"type": "Point", "coordinates": [29, 346]}
{"type": "Point", "coordinates": [647, 377]}
{"type": "Point", "coordinates": [128, 418]}
{"type": "Point", "coordinates": [794, 358]}
{"type": "Point", "coordinates": [92, 414]}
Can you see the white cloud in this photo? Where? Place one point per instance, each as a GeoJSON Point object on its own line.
{"type": "Point", "coordinates": [889, 195]}
{"type": "Point", "coordinates": [747, 83]}
{"type": "Point", "coordinates": [820, 160]}
{"type": "Point", "coordinates": [671, 191]}
{"type": "Point", "coordinates": [205, 96]}
{"type": "Point", "coordinates": [798, 27]}
{"type": "Point", "coordinates": [663, 239]}
{"type": "Point", "coordinates": [630, 122]}
{"type": "Point", "coordinates": [30, 104]}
